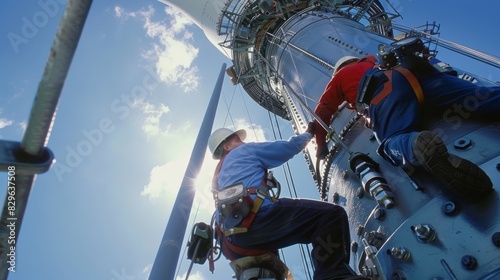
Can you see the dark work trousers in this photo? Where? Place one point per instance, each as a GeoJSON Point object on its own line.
{"type": "Point", "coordinates": [303, 221]}
{"type": "Point", "coordinates": [397, 118]}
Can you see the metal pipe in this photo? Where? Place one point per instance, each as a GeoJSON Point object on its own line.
{"type": "Point", "coordinates": [39, 124]}
{"type": "Point", "coordinates": [56, 69]}
{"type": "Point", "coordinates": [461, 49]}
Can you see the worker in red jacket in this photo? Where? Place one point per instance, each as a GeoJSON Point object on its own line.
{"type": "Point", "coordinates": [342, 87]}
{"type": "Point", "coordinates": [395, 100]}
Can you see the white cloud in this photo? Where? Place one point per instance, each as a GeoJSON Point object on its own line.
{"type": "Point", "coordinates": [192, 276]}
{"type": "Point", "coordinates": [119, 12]}
{"type": "Point", "coordinates": [172, 49]}
{"type": "Point", "coordinates": [152, 114]}
{"type": "Point", "coordinates": [147, 270]}
{"type": "Point", "coordinates": [153, 125]}
{"type": "Point", "coordinates": [255, 133]}
{"type": "Point", "coordinates": [23, 125]}
{"type": "Point", "coordinates": [5, 122]}
{"type": "Point", "coordinates": [165, 179]}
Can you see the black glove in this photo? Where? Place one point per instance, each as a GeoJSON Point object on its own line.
{"type": "Point", "coordinates": [321, 152]}
{"type": "Point", "coordinates": [311, 127]}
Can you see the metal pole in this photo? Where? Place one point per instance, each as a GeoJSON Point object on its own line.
{"type": "Point", "coordinates": [168, 254]}
{"type": "Point", "coordinates": [455, 47]}
{"type": "Point", "coordinates": [39, 125]}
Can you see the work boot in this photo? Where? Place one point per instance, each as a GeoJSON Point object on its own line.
{"type": "Point", "coordinates": [459, 175]}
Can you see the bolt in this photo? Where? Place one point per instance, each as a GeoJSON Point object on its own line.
{"type": "Point", "coordinates": [424, 233]}
{"type": "Point", "coordinates": [398, 275]}
{"type": "Point", "coordinates": [462, 143]}
{"type": "Point", "coordinates": [360, 230]}
{"type": "Point", "coordinates": [469, 262]}
{"type": "Point", "coordinates": [449, 208]}
{"type": "Point", "coordinates": [354, 246]}
{"type": "Point", "coordinates": [336, 197]}
{"type": "Point", "coordinates": [379, 214]}
{"type": "Point", "coordinates": [496, 238]}
{"type": "Point", "coordinates": [360, 192]}
{"type": "Point", "coordinates": [498, 166]}
{"type": "Point", "coordinates": [400, 253]}
{"type": "Point", "coordinates": [367, 271]}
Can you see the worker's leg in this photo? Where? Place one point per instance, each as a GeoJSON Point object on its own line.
{"type": "Point", "coordinates": [302, 221]}
{"type": "Point", "coordinates": [396, 122]}
{"type": "Point", "coordinates": [459, 98]}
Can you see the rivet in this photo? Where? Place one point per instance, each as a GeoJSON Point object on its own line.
{"type": "Point", "coordinates": [345, 174]}
{"type": "Point", "coordinates": [360, 192]}
{"type": "Point", "coordinates": [449, 208]}
{"type": "Point", "coordinates": [354, 246]}
{"type": "Point", "coordinates": [469, 262]}
{"type": "Point", "coordinates": [360, 230]}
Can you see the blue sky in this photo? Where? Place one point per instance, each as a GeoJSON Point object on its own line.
{"type": "Point", "coordinates": [126, 123]}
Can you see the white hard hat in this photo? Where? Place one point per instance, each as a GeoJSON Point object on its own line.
{"type": "Point", "coordinates": [218, 136]}
{"type": "Point", "coordinates": [344, 61]}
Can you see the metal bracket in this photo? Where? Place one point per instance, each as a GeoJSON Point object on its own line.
{"type": "Point", "coordinates": [11, 154]}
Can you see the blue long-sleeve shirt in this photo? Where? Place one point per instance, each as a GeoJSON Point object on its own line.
{"type": "Point", "coordinates": [248, 162]}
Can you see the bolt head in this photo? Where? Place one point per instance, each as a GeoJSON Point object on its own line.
{"type": "Point", "coordinates": [469, 262]}
{"type": "Point", "coordinates": [496, 238]}
{"type": "Point", "coordinates": [462, 143]}
{"type": "Point", "coordinates": [449, 208]}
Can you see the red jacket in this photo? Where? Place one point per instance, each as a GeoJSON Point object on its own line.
{"type": "Point", "coordinates": [342, 87]}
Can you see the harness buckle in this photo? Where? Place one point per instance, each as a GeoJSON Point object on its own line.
{"type": "Point", "coordinates": [271, 184]}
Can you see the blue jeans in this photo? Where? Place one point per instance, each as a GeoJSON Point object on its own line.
{"type": "Point", "coordinates": [303, 221]}
{"type": "Point", "coordinates": [397, 118]}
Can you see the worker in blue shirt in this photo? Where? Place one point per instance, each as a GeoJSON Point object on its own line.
{"type": "Point", "coordinates": [280, 223]}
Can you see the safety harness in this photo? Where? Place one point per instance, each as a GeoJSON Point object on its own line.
{"type": "Point", "coordinates": [261, 193]}
{"type": "Point", "coordinates": [402, 56]}
{"type": "Point", "coordinates": [376, 77]}
{"type": "Point", "coordinates": [417, 89]}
